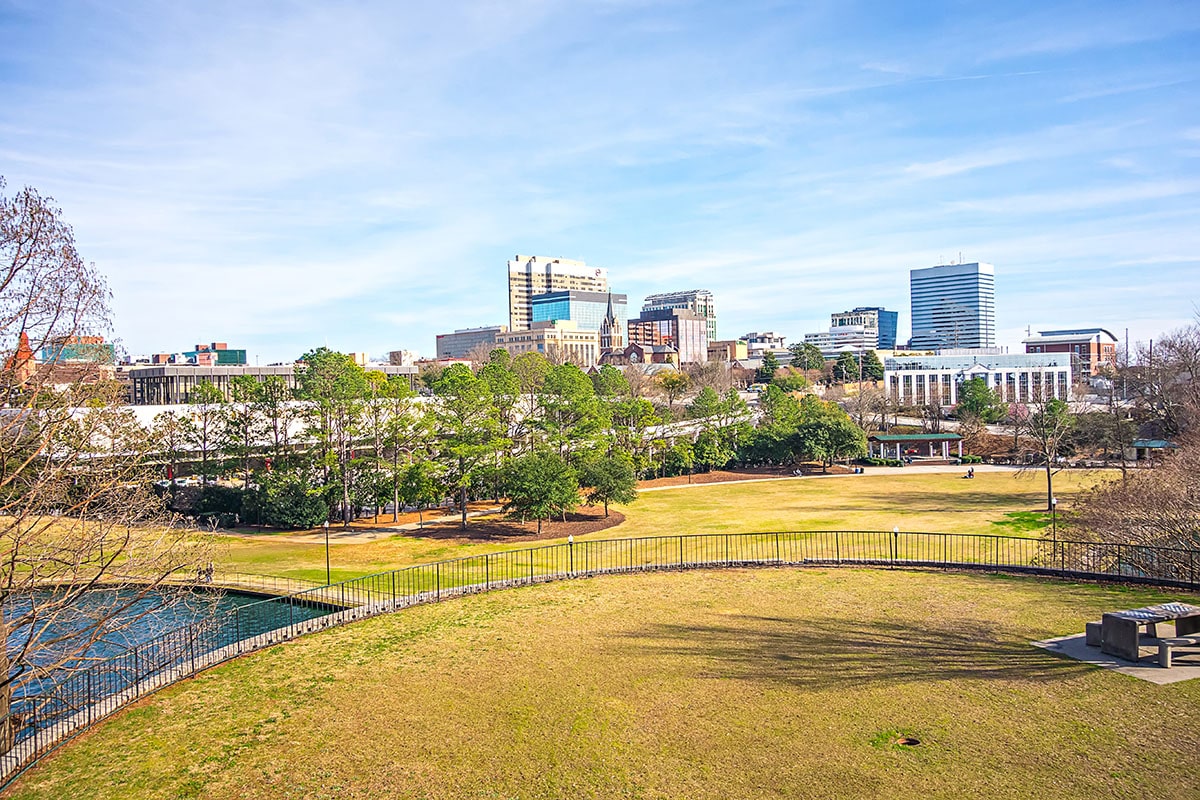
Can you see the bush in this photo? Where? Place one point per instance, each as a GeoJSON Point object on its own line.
{"type": "Point", "coordinates": [218, 500]}
{"type": "Point", "coordinates": [284, 501]}
{"type": "Point", "coordinates": [969, 459]}
{"type": "Point", "coordinates": [881, 462]}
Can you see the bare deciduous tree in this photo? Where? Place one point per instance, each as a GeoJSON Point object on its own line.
{"type": "Point", "coordinates": [76, 507]}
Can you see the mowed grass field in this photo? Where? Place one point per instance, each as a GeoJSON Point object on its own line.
{"type": "Point", "coordinates": [764, 683]}
{"type": "Point", "coordinates": [993, 502]}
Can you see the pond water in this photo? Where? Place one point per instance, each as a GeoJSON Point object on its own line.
{"type": "Point", "coordinates": [152, 631]}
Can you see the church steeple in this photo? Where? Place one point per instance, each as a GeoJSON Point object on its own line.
{"type": "Point", "coordinates": [611, 337]}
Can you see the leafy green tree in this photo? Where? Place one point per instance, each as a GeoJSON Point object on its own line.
{"type": "Point", "coordinates": [806, 356]}
{"type": "Point", "coordinates": [421, 486]}
{"type": "Point", "coordinates": [872, 367]}
{"type": "Point", "coordinates": [407, 431]}
{"type": "Point", "coordinates": [531, 369]}
{"type": "Point", "coordinates": [778, 408]}
{"type": "Point", "coordinates": [845, 368]}
{"type": "Point", "coordinates": [674, 385]}
{"type": "Point", "coordinates": [504, 386]}
{"type": "Point", "coordinates": [706, 404]}
{"type": "Point", "coordinates": [539, 485]}
{"type": "Point", "coordinates": [468, 429]}
{"type": "Point", "coordinates": [978, 401]}
{"type": "Point", "coordinates": [336, 389]}
{"type": "Point", "coordinates": [610, 382]}
{"type": "Point", "coordinates": [278, 411]}
{"type": "Point", "coordinates": [571, 418]}
{"type": "Point", "coordinates": [204, 424]}
{"type": "Point", "coordinates": [766, 371]}
{"type": "Point", "coordinates": [609, 479]}
{"type": "Point", "coordinates": [285, 500]}
{"type": "Point", "coordinates": [791, 383]}
{"type": "Point", "coordinates": [169, 435]}
{"type": "Point", "coordinates": [632, 418]}
{"type": "Point", "coordinates": [719, 420]}
{"type": "Point", "coordinates": [243, 423]}
{"type": "Point", "coordinates": [680, 458]}
{"type": "Point", "coordinates": [711, 452]}
{"type": "Point", "coordinates": [826, 433]}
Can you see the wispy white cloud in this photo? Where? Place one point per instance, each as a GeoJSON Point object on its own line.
{"type": "Point", "coordinates": [283, 175]}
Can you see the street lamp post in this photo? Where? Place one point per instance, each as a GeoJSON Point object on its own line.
{"type": "Point", "coordinates": [327, 580]}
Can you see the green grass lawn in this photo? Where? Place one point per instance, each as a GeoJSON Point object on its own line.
{"type": "Point", "coordinates": [763, 683]}
{"type": "Point", "coordinates": [997, 503]}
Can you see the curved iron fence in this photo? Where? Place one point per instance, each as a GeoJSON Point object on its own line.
{"type": "Point", "coordinates": [35, 725]}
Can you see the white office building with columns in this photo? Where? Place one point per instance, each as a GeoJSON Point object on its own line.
{"type": "Point", "coordinates": [1015, 378]}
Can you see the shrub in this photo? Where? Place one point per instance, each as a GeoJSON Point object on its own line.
{"type": "Point", "coordinates": [284, 501]}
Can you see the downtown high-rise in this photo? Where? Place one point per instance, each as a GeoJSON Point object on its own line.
{"type": "Point", "coordinates": [530, 276]}
{"type": "Point", "coordinates": [953, 306]}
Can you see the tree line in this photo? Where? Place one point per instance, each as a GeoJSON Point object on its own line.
{"type": "Point", "coordinates": [541, 436]}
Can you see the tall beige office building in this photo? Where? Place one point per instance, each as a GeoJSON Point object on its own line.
{"type": "Point", "coordinates": [534, 275]}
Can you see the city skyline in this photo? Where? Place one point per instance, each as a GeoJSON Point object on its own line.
{"type": "Point", "coordinates": [288, 177]}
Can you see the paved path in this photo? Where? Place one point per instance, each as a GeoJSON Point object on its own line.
{"type": "Point", "coordinates": [914, 469]}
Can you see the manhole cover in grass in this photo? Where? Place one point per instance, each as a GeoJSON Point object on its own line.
{"type": "Point", "coordinates": [894, 739]}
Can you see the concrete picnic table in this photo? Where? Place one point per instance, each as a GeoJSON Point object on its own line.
{"type": "Point", "coordinates": [1120, 631]}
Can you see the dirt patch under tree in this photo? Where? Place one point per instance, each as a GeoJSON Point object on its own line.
{"type": "Point", "coordinates": [499, 528]}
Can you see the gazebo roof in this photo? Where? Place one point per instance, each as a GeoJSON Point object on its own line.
{"type": "Point", "coordinates": [1155, 444]}
{"type": "Point", "coordinates": [900, 438]}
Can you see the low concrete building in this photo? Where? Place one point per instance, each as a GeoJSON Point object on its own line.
{"type": "Point", "coordinates": [168, 384]}
{"type": "Point", "coordinates": [844, 339]}
{"type": "Point", "coordinates": [728, 350]}
{"type": "Point", "coordinates": [561, 340]}
{"type": "Point", "coordinates": [460, 343]}
{"type": "Point", "coordinates": [1016, 378]}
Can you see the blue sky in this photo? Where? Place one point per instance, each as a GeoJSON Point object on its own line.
{"type": "Point", "coordinates": [286, 175]}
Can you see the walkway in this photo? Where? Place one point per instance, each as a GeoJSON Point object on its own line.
{"type": "Point", "coordinates": [913, 469]}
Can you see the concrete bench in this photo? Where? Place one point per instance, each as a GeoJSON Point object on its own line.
{"type": "Point", "coordinates": [1165, 646]}
{"type": "Point", "coordinates": [1092, 634]}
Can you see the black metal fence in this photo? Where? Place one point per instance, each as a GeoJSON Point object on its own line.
{"type": "Point", "coordinates": [38, 723]}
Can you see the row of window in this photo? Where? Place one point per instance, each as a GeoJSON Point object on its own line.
{"type": "Point", "coordinates": [1010, 387]}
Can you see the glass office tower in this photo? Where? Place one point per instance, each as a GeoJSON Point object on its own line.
{"type": "Point", "coordinates": [953, 306]}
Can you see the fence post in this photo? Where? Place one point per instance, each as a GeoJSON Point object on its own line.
{"type": "Point", "coordinates": [727, 549]}
{"type": "Point", "coordinates": [438, 572]}
{"type": "Point", "coordinates": [1118, 559]}
{"type": "Point", "coordinates": [778, 560]}
{"type": "Point", "coordinates": [91, 700]}
{"type": "Point", "coordinates": [394, 599]}
{"type": "Point", "coordinates": [571, 556]}
{"type": "Point", "coordinates": [681, 551]}
{"type": "Point", "coordinates": [837, 546]}
{"type": "Point", "coordinates": [487, 571]}
{"type": "Point", "coordinates": [895, 546]}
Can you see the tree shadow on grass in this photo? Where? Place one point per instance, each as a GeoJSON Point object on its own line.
{"type": "Point", "coordinates": [818, 654]}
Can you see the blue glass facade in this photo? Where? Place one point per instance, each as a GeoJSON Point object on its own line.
{"type": "Point", "coordinates": [888, 322]}
{"type": "Point", "coordinates": [953, 306]}
{"type": "Point", "coordinates": [586, 309]}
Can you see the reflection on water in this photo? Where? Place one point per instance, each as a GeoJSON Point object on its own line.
{"type": "Point", "coordinates": [147, 631]}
